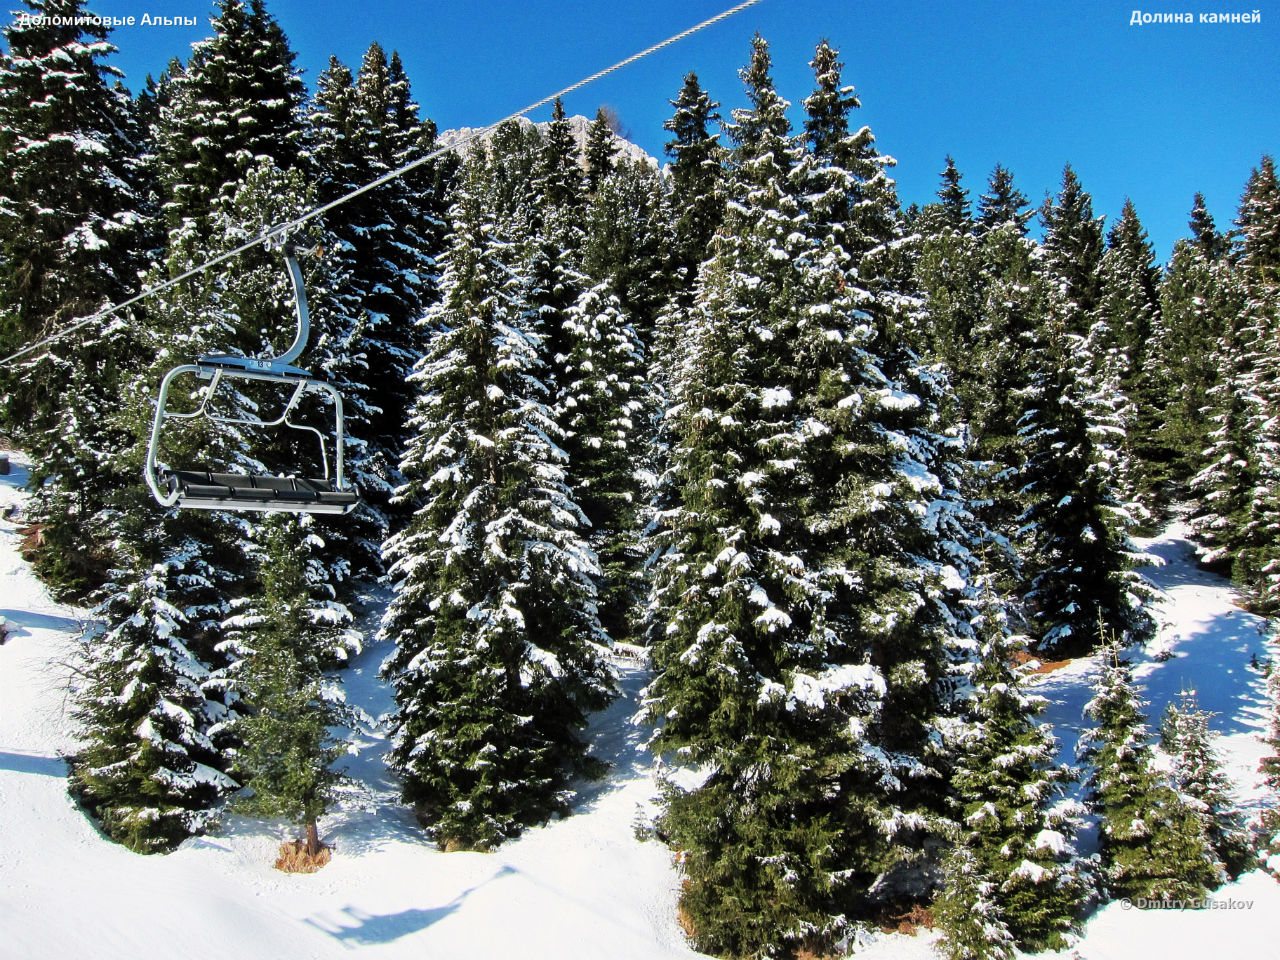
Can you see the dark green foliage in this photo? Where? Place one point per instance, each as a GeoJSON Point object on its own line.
{"type": "Point", "coordinates": [283, 636]}
{"type": "Point", "coordinates": [602, 410]}
{"type": "Point", "coordinates": [236, 100]}
{"type": "Point", "coordinates": [599, 151]}
{"type": "Point", "coordinates": [796, 645]}
{"type": "Point", "coordinates": [387, 240]}
{"type": "Point", "coordinates": [1073, 249]}
{"type": "Point", "coordinates": [957, 212]}
{"type": "Point", "coordinates": [1198, 776]}
{"type": "Point", "coordinates": [697, 189]}
{"type": "Point", "coordinates": [967, 912]}
{"type": "Point", "coordinates": [142, 767]}
{"type": "Point", "coordinates": [1197, 304]}
{"type": "Point", "coordinates": [1238, 488]}
{"type": "Point", "coordinates": [1077, 566]}
{"type": "Point", "coordinates": [1124, 351]}
{"type": "Point", "coordinates": [1015, 828]}
{"type": "Point", "coordinates": [72, 207]}
{"type": "Point", "coordinates": [498, 648]}
{"type": "Point", "coordinates": [1153, 844]}
{"type": "Point", "coordinates": [1003, 203]}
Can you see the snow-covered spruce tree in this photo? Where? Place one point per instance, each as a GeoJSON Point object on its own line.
{"type": "Point", "coordinates": [283, 636]}
{"type": "Point", "coordinates": [1122, 344]}
{"type": "Point", "coordinates": [733, 602]}
{"type": "Point", "coordinates": [143, 765]}
{"type": "Point", "coordinates": [949, 271]}
{"type": "Point", "coordinates": [1198, 777]}
{"type": "Point", "coordinates": [1015, 829]}
{"type": "Point", "coordinates": [1238, 510]}
{"type": "Point", "coordinates": [390, 237]}
{"type": "Point", "coordinates": [1073, 530]}
{"type": "Point", "coordinates": [1257, 561]}
{"type": "Point", "coordinates": [794, 658]}
{"type": "Point", "coordinates": [1270, 769]}
{"type": "Point", "coordinates": [1014, 305]}
{"type": "Point", "coordinates": [1073, 248]}
{"type": "Point", "coordinates": [72, 207]}
{"type": "Point", "coordinates": [1003, 203]}
{"type": "Point", "coordinates": [552, 269]}
{"type": "Point", "coordinates": [626, 243]}
{"type": "Point", "coordinates": [245, 308]}
{"type": "Point", "coordinates": [1153, 845]}
{"type": "Point", "coordinates": [696, 177]}
{"type": "Point", "coordinates": [967, 912]}
{"type": "Point", "coordinates": [69, 198]}
{"type": "Point", "coordinates": [1197, 302]}
{"type": "Point", "coordinates": [237, 99]}
{"type": "Point", "coordinates": [599, 151]}
{"type": "Point", "coordinates": [499, 653]}
{"type": "Point", "coordinates": [603, 411]}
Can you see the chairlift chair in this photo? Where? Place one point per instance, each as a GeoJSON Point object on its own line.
{"type": "Point", "coordinates": [208, 490]}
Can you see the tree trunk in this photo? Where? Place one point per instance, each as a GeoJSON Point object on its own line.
{"type": "Point", "coordinates": [313, 838]}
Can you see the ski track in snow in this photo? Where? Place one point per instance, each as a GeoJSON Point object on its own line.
{"type": "Point", "coordinates": [583, 887]}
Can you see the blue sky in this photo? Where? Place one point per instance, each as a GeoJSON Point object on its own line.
{"type": "Point", "coordinates": [1152, 112]}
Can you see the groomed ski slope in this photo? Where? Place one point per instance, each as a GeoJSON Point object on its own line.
{"type": "Point", "coordinates": [584, 887]}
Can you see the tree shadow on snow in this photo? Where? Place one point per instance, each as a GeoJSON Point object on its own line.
{"type": "Point", "coordinates": [29, 763]}
{"type": "Point", "coordinates": [1211, 651]}
{"type": "Point", "coordinates": [355, 928]}
{"type": "Point", "coordinates": [16, 477]}
{"type": "Point", "coordinates": [18, 623]}
{"type": "Point", "coordinates": [1176, 564]}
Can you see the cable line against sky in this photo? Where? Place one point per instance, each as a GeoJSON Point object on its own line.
{"type": "Point", "coordinates": [281, 231]}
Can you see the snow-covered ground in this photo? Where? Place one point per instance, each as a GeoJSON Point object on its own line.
{"type": "Point", "coordinates": [583, 887]}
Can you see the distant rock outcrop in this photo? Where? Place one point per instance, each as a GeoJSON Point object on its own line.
{"type": "Point", "coordinates": [580, 126]}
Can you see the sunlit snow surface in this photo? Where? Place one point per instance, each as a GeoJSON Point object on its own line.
{"type": "Point", "coordinates": [584, 887]}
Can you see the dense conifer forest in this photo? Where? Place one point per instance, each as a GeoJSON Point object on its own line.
{"type": "Point", "coordinates": [836, 467]}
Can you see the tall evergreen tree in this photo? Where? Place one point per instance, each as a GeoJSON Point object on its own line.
{"type": "Point", "coordinates": [1121, 341]}
{"type": "Point", "coordinates": [1257, 560]}
{"type": "Point", "coordinates": [1197, 304]}
{"type": "Point", "coordinates": [1076, 560]}
{"type": "Point", "coordinates": [957, 210]}
{"type": "Point", "coordinates": [1153, 845]}
{"type": "Point", "coordinates": [283, 637]}
{"type": "Point", "coordinates": [1198, 777]}
{"type": "Point", "coordinates": [1074, 529]}
{"type": "Point", "coordinates": [599, 151]}
{"type": "Point", "coordinates": [498, 647]}
{"type": "Point", "coordinates": [72, 210]}
{"type": "Point", "coordinates": [362, 128]}
{"type": "Point", "coordinates": [1015, 830]}
{"type": "Point", "coordinates": [237, 99]}
{"type": "Point", "coordinates": [602, 410]}
{"type": "Point", "coordinates": [696, 177]}
{"type": "Point", "coordinates": [1073, 246]}
{"type": "Point", "coordinates": [144, 767]}
{"type": "Point", "coordinates": [1003, 203]}
{"type": "Point", "coordinates": [796, 653]}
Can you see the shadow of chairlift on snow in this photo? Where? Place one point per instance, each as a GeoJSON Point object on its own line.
{"type": "Point", "coordinates": [355, 928]}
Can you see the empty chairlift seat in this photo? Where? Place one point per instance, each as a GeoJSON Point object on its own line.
{"type": "Point", "coordinates": [208, 489]}
{"type": "Point", "coordinates": [201, 490]}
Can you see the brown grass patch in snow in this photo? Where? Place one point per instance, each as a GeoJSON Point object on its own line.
{"type": "Point", "coordinates": [1042, 666]}
{"type": "Point", "coordinates": [295, 859]}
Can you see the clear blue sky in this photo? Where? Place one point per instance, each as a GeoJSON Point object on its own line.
{"type": "Point", "coordinates": [1151, 112]}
